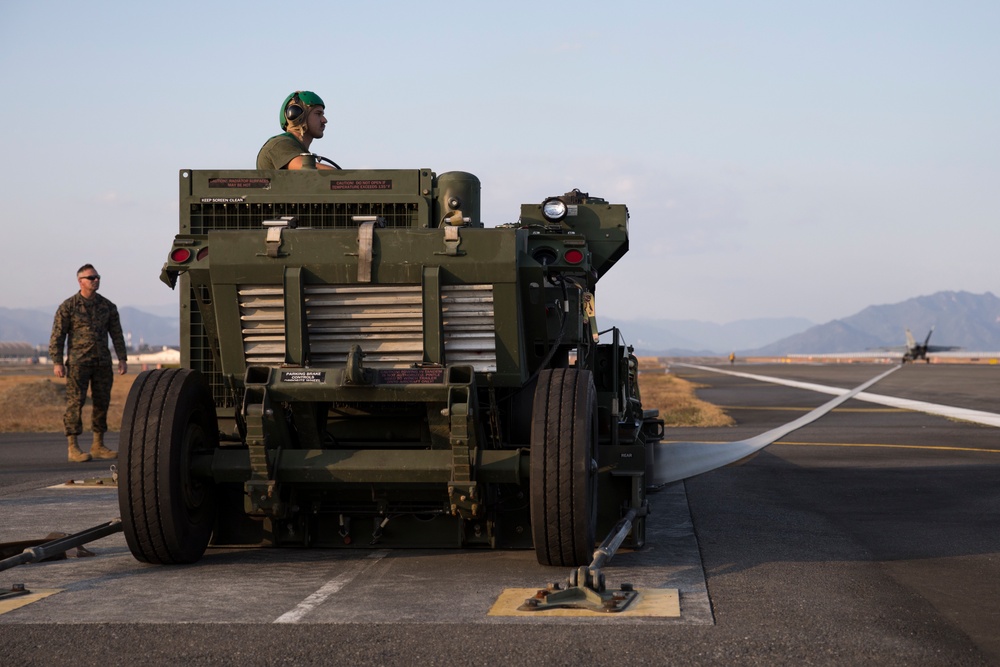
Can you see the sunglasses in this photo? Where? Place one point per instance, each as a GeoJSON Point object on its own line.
{"type": "Point", "coordinates": [90, 277]}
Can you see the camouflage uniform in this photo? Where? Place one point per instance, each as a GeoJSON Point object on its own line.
{"type": "Point", "coordinates": [87, 324]}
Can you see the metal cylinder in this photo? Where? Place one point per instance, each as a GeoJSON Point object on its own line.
{"type": "Point", "coordinates": [458, 191]}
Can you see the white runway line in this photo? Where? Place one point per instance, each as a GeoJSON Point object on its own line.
{"type": "Point", "coordinates": [679, 460]}
{"type": "Point", "coordinates": [964, 414]}
{"type": "Point", "coordinates": [329, 588]}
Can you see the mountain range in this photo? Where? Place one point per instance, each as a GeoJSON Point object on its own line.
{"type": "Point", "coordinates": [971, 321]}
{"type": "Point", "coordinates": [140, 326]}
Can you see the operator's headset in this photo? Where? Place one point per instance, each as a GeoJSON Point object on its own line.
{"type": "Point", "coordinates": [294, 109]}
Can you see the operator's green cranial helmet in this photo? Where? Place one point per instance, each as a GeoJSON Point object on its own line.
{"type": "Point", "coordinates": [296, 105]}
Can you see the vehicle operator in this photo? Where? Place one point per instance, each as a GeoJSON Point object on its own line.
{"type": "Point", "coordinates": [302, 119]}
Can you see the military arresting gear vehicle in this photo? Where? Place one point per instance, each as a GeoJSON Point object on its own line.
{"type": "Point", "coordinates": [364, 363]}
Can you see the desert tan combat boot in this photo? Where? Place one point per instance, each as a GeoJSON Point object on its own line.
{"type": "Point", "coordinates": [75, 455]}
{"type": "Point", "coordinates": [99, 451]}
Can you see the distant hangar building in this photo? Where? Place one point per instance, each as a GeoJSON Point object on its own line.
{"type": "Point", "coordinates": [17, 352]}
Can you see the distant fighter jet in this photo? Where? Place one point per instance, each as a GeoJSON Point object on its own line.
{"type": "Point", "coordinates": [915, 350]}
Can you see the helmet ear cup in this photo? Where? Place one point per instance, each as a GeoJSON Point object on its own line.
{"type": "Point", "coordinates": [293, 111]}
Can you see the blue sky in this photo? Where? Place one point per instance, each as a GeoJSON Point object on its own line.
{"type": "Point", "coordinates": [779, 158]}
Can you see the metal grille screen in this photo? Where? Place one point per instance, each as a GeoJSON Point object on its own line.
{"type": "Point", "coordinates": [205, 217]}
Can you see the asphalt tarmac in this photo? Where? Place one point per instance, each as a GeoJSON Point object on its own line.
{"type": "Point", "coordinates": [871, 536]}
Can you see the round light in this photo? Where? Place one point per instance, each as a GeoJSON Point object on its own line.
{"type": "Point", "coordinates": [202, 254]}
{"type": "Point", "coordinates": [573, 256]}
{"type": "Point", "coordinates": [180, 255]}
{"type": "Point", "coordinates": [554, 209]}
{"type": "Point", "coordinates": [545, 256]}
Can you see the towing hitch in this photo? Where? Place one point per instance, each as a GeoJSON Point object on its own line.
{"type": "Point", "coordinates": [586, 587]}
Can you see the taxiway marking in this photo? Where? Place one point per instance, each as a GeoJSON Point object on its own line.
{"type": "Point", "coordinates": [964, 414]}
{"type": "Point", "coordinates": [944, 448]}
{"type": "Point", "coordinates": [778, 408]}
{"type": "Point", "coordinates": [328, 589]}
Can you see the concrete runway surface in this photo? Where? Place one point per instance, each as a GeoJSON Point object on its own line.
{"type": "Point", "coordinates": [871, 536]}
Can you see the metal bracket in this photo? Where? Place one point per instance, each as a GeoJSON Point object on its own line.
{"type": "Point", "coordinates": [366, 233]}
{"type": "Point", "coordinates": [590, 315]}
{"type": "Point", "coordinates": [463, 492]}
{"type": "Point", "coordinates": [452, 239]}
{"type": "Point", "coordinates": [272, 242]}
{"type": "Point", "coordinates": [355, 373]}
{"type": "Point", "coordinates": [583, 592]}
{"type": "Point", "coordinates": [96, 481]}
{"type": "Point", "coordinates": [261, 496]}
{"type": "Point", "coordinates": [463, 498]}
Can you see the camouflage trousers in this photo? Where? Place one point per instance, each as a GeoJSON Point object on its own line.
{"type": "Point", "coordinates": [99, 378]}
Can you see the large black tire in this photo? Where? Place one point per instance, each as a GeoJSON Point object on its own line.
{"type": "Point", "coordinates": [167, 513]}
{"type": "Point", "coordinates": [563, 467]}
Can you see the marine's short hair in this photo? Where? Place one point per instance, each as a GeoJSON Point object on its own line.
{"type": "Point", "coordinates": [85, 267]}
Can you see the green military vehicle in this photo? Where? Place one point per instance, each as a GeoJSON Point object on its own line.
{"type": "Point", "coordinates": [365, 364]}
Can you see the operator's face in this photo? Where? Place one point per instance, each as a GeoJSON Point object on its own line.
{"type": "Point", "coordinates": [316, 122]}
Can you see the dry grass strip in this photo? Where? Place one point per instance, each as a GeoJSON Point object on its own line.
{"type": "Point", "coordinates": [35, 404]}
{"type": "Point", "coordinates": [675, 398]}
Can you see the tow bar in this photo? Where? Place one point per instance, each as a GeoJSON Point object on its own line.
{"type": "Point", "coordinates": [54, 548]}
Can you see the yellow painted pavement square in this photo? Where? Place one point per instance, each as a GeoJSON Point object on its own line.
{"type": "Point", "coordinates": [650, 602]}
{"type": "Point", "coordinates": [18, 601]}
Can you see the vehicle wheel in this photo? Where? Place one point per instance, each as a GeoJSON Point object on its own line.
{"type": "Point", "coordinates": [167, 513]}
{"type": "Point", "coordinates": [563, 467]}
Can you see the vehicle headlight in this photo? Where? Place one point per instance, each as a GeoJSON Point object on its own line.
{"type": "Point", "coordinates": [554, 209]}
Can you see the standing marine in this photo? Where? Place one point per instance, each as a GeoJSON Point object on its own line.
{"type": "Point", "coordinates": [82, 324]}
